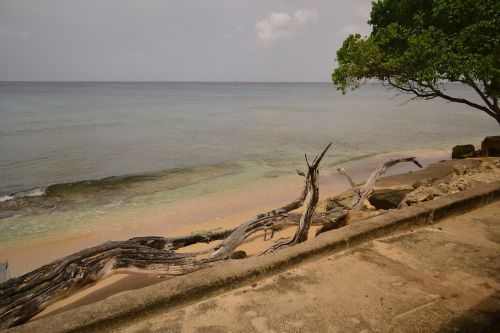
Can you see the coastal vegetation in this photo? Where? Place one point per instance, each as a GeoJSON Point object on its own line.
{"type": "Point", "coordinates": [418, 47]}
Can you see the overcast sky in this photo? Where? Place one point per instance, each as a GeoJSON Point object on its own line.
{"type": "Point", "coordinates": [175, 40]}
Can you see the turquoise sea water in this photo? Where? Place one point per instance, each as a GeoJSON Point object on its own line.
{"type": "Point", "coordinates": [67, 148]}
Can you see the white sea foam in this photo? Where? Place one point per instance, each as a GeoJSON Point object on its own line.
{"type": "Point", "coordinates": [6, 198]}
{"type": "Point", "coordinates": [35, 192]}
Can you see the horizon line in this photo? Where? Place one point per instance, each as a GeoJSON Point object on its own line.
{"type": "Point", "coordinates": [160, 81]}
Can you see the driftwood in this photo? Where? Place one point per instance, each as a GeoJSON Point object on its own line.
{"type": "Point", "coordinates": [23, 297]}
{"type": "Point", "coordinates": [361, 194]}
{"type": "Point", "coordinates": [312, 197]}
{"type": "Point", "coordinates": [4, 271]}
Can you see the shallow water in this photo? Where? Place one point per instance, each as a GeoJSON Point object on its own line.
{"type": "Point", "coordinates": [162, 142]}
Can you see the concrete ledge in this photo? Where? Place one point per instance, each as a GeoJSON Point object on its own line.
{"type": "Point", "coordinates": [142, 303]}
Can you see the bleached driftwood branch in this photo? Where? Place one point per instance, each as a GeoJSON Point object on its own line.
{"type": "Point", "coordinates": [362, 194]}
{"type": "Point", "coordinates": [312, 197]}
{"type": "Point", "coordinates": [4, 271]}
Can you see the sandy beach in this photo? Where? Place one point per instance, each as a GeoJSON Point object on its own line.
{"type": "Point", "coordinates": [217, 211]}
{"type": "Point", "coordinates": [220, 210]}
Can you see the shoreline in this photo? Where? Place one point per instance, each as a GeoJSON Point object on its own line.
{"type": "Point", "coordinates": [118, 284]}
{"type": "Point", "coordinates": [233, 274]}
{"type": "Point", "coordinates": [214, 211]}
{"type": "Point", "coordinates": [218, 211]}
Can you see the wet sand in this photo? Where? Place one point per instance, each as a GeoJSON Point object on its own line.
{"type": "Point", "coordinates": [216, 211]}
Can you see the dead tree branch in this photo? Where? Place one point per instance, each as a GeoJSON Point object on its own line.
{"type": "Point", "coordinates": [362, 194]}
{"type": "Point", "coordinates": [344, 172]}
{"type": "Point", "coordinates": [311, 200]}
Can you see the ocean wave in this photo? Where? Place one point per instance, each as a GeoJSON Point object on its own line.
{"type": "Point", "coordinates": [35, 192]}
{"type": "Point", "coordinates": [112, 190]}
{"type": "Point", "coordinates": [146, 182]}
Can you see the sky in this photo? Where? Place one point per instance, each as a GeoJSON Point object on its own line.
{"type": "Point", "coordinates": [175, 40]}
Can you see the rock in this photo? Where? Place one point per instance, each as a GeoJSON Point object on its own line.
{"type": "Point", "coordinates": [459, 169]}
{"type": "Point", "coordinates": [491, 146]}
{"type": "Point", "coordinates": [388, 198]}
{"type": "Point", "coordinates": [332, 224]}
{"type": "Point", "coordinates": [486, 167]}
{"type": "Point", "coordinates": [423, 182]}
{"type": "Point", "coordinates": [423, 193]}
{"type": "Point", "coordinates": [446, 179]}
{"type": "Point", "coordinates": [462, 176]}
{"type": "Point", "coordinates": [360, 215]}
{"type": "Point", "coordinates": [458, 184]}
{"type": "Point", "coordinates": [238, 255]}
{"type": "Point", "coordinates": [463, 151]}
{"type": "Point", "coordinates": [342, 200]}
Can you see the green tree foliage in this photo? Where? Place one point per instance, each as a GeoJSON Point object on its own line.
{"type": "Point", "coordinates": [417, 46]}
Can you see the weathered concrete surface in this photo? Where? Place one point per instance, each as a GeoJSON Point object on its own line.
{"type": "Point", "coordinates": [123, 311]}
{"type": "Point", "coordinates": [442, 278]}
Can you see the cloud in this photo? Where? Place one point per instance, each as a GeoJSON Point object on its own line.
{"type": "Point", "coordinates": [281, 26]}
{"type": "Point", "coordinates": [304, 16]}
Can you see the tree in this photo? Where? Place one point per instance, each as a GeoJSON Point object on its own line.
{"type": "Point", "coordinates": [418, 46]}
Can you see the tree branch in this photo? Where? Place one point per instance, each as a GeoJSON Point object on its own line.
{"type": "Point", "coordinates": [435, 92]}
{"type": "Point", "coordinates": [343, 172]}
{"type": "Point", "coordinates": [364, 193]}
{"type": "Point", "coordinates": [469, 81]}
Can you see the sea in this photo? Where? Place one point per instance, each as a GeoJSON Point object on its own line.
{"type": "Point", "coordinates": [71, 150]}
